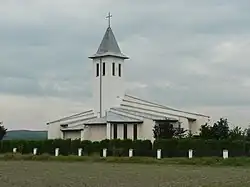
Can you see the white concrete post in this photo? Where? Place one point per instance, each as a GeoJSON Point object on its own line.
{"type": "Point", "coordinates": [14, 150]}
{"type": "Point", "coordinates": [158, 153]}
{"type": "Point", "coordinates": [57, 152]}
{"type": "Point", "coordinates": [80, 152]}
{"type": "Point", "coordinates": [130, 153]}
{"type": "Point", "coordinates": [104, 153]}
{"type": "Point", "coordinates": [225, 154]}
{"type": "Point", "coordinates": [190, 153]}
{"type": "Point", "coordinates": [34, 151]}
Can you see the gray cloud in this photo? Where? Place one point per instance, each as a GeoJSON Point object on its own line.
{"type": "Point", "coordinates": [189, 54]}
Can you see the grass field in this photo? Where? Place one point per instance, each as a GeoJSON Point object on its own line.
{"type": "Point", "coordinates": [77, 174]}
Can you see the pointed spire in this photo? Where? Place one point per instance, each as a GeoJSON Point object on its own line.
{"type": "Point", "coordinates": [109, 45]}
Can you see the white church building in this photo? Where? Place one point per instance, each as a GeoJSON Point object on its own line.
{"type": "Point", "coordinates": [115, 114]}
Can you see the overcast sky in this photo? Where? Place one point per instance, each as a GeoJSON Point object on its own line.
{"type": "Point", "coordinates": [191, 55]}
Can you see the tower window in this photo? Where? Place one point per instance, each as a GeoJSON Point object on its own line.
{"type": "Point", "coordinates": [103, 68]}
{"type": "Point", "coordinates": [97, 69]}
{"type": "Point", "coordinates": [135, 131]}
{"type": "Point", "coordinates": [125, 131]}
{"type": "Point", "coordinates": [113, 69]}
{"type": "Point", "coordinates": [119, 70]}
{"type": "Point", "coordinates": [115, 131]}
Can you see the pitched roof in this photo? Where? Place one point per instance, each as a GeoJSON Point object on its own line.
{"type": "Point", "coordinates": [143, 114]}
{"type": "Point", "coordinates": [113, 117]}
{"type": "Point", "coordinates": [137, 100]}
{"type": "Point", "coordinates": [109, 46]}
{"type": "Point", "coordinates": [74, 116]}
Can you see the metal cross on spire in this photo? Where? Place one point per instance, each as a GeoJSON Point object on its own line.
{"type": "Point", "coordinates": [109, 18]}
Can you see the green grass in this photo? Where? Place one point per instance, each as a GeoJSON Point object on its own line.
{"type": "Point", "coordinates": [202, 161]}
{"type": "Point", "coordinates": [86, 174]}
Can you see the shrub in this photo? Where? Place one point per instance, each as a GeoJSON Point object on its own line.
{"type": "Point", "coordinates": [142, 148]}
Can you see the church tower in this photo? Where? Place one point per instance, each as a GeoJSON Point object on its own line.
{"type": "Point", "coordinates": [108, 76]}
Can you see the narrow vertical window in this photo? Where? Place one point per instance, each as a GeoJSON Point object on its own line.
{"type": "Point", "coordinates": [115, 131]}
{"type": "Point", "coordinates": [135, 131]}
{"type": "Point", "coordinates": [103, 68]}
{"type": "Point", "coordinates": [113, 69]}
{"type": "Point", "coordinates": [125, 131]}
{"type": "Point", "coordinates": [119, 70]}
{"type": "Point", "coordinates": [97, 69]}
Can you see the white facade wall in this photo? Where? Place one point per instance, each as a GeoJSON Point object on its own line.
{"type": "Point", "coordinates": [73, 135]}
{"type": "Point", "coordinates": [184, 123]}
{"type": "Point", "coordinates": [146, 129]}
{"type": "Point", "coordinates": [112, 86]}
{"type": "Point", "coordinates": [54, 131]}
{"type": "Point", "coordinates": [120, 131]}
{"type": "Point", "coordinates": [196, 125]}
{"type": "Point", "coordinates": [95, 132]}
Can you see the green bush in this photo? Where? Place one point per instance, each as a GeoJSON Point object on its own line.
{"type": "Point", "coordinates": [70, 147]}
{"type": "Point", "coordinates": [120, 148]}
{"type": "Point", "coordinates": [201, 147]}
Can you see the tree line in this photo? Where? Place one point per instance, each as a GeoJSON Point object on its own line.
{"type": "Point", "coordinates": [3, 131]}
{"type": "Point", "coordinates": [220, 130]}
{"type": "Point", "coordinates": [174, 142]}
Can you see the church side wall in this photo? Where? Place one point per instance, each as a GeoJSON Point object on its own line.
{"type": "Point", "coordinates": [73, 135]}
{"type": "Point", "coordinates": [120, 131]}
{"type": "Point", "coordinates": [95, 133]}
{"type": "Point", "coordinates": [184, 124]}
{"type": "Point", "coordinates": [146, 129]}
{"type": "Point", "coordinates": [54, 131]}
{"type": "Point", "coordinates": [196, 125]}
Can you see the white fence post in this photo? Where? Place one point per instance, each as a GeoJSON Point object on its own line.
{"type": "Point", "coordinates": [225, 154]}
{"type": "Point", "coordinates": [130, 154]}
{"type": "Point", "coordinates": [104, 153]}
{"type": "Point", "coordinates": [34, 151]}
{"type": "Point", "coordinates": [57, 152]}
{"type": "Point", "coordinates": [158, 153]}
{"type": "Point", "coordinates": [80, 152]}
{"type": "Point", "coordinates": [14, 150]}
{"type": "Point", "coordinates": [190, 153]}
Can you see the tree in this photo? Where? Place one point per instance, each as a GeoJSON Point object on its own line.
{"type": "Point", "coordinates": [247, 133]}
{"type": "Point", "coordinates": [3, 131]}
{"type": "Point", "coordinates": [236, 133]}
{"type": "Point", "coordinates": [206, 132]}
{"type": "Point", "coordinates": [167, 130]}
{"type": "Point", "coordinates": [220, 129]}
{"type": "Point", "coordinates": [180, 132]}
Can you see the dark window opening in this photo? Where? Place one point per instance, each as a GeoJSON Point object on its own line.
{"type": "Point", "coordinates": [125, 131]}
{"type": "Point", "coordinates": [113, 69]}
{"type": "Point", "coordinates": [97, 70]}
{"type": "Point", "coordinates": [103, 68]}
{"type": "Point", "coordinates": [135, 131]}
{"type": "Point", "coordinates": [115, 131]}
{"type": "Point", "coordinates": [120, 71]}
